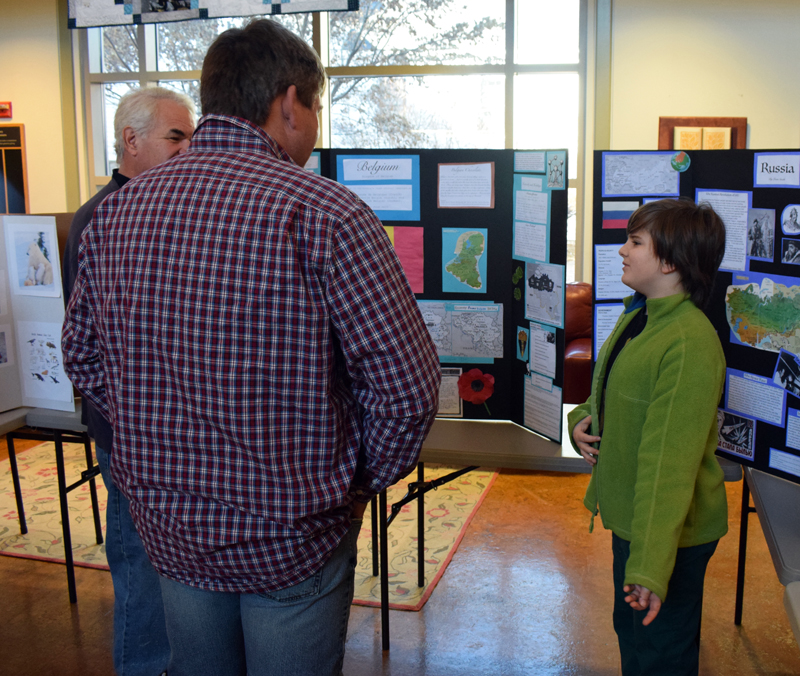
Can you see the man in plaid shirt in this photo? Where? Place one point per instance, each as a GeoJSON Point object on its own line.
{"type": "Point", "coordinates": [247, 329]}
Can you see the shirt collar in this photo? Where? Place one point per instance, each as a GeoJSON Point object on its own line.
{"type": "Point", "coordinates": [120, 179]}
{"type": "Point", "coordinates": [227, 133]}
{"type": "Point", "coordinates": [656, 307]}
{"type": "Point", "coordinates": [636, 301]}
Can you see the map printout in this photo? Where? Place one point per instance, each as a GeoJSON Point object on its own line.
{"type": "Point", "coordinates": [763, 311]}
{"type": "Point", "coordinates": [639, 174]}
{"type": "Point", "coordinates": [465, 331]}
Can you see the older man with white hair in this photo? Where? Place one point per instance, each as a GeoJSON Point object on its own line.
{"type": "Point", "coordinates": [151, 126]}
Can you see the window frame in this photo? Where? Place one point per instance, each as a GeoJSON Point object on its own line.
{"type": "Point", "coordinates": [148, 75]}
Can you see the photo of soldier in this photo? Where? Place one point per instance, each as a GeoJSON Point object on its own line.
{"type": "Point", "coordinates": [761, 234]}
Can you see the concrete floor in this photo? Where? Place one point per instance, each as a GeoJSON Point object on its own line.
{"type": "Point", "coordinates": [528, 592]}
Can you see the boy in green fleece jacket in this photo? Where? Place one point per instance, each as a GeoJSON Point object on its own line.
{"type": "Point", "coordinates": [650, 431]}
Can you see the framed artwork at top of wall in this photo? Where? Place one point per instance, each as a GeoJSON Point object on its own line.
{"type": "Point", "coordinates": [666, 129]}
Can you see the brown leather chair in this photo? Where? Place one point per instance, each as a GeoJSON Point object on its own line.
{"type": "Point", "coordinates": [578, 322]}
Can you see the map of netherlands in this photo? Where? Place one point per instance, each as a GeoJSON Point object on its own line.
{"type": "Point", "coordinates": [469, 248]}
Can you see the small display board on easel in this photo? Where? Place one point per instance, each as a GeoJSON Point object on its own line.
{"type": "Point", "coordinates": [31, 315]}
{"type": "Point", "coordinates": [13, 170]}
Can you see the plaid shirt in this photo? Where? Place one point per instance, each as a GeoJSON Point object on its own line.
{"type": "Point", "coordinates": [248, 331]}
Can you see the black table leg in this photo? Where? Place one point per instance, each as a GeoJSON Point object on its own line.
{"type": "Point", "coordinates": [98, 528]}
{"type": "Point", "coordinates": [416, 491]}
{"type": "Point", "coordinates": [421, 527]}
{"type": "Point", "coordinates": [62, 498]}
{"type": "Point", "coordinates": [59, 438]}
{"type": "Point", "coordinates": [12, 459]}
{"type": "Point", "coordinates": [384, 545]}
{"type": "Point", "coordinates": [373, 505]}
{"type": "Point", "coordinates": [746, 510]}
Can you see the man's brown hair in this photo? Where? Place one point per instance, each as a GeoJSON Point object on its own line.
{"type": "Point", "coordinates": [688, 236]}
{"type": "Point", "coordinates": [245, 69]}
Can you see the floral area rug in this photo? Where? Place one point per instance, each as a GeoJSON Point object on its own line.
{"type": "Point", "coordinates": [39, 484]}
{"type": "Point", "coordinates": [448, 511]}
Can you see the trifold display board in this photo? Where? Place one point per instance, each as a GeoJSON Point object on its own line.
{"type": "Point", "coordinates": [755, 306]}
{"type": "Point", "coordinates": [31, 314]}
{"type": "Point", "coordinates": [481, 235]}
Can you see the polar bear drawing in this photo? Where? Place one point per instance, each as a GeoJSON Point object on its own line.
{"type": "Point", "coordinates": [40, 270]}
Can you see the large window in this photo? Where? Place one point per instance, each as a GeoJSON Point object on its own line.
{"type": "Point", "coordinates": [403, 73]}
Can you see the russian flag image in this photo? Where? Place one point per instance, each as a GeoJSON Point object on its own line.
{"type": "Point", "coordinates": [616, 214]}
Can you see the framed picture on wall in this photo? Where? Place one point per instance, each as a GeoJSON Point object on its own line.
{"type": "Point", "coordinates": [702, 133]}
{"type": "Point", "coordinates": [13, 170]}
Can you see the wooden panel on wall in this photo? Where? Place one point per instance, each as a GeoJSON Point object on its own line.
{"type": "Point", "coordinates": [666, 125]}
{"type": "Point", "coordinates": [13, 170]}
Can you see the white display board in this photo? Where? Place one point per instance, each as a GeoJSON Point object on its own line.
{"type": "Point", "coordinates": [31, 315]}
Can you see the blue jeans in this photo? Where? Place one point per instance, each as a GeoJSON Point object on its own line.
{"type": "Point", "coordinates": [296, 631]}
{"type": "Point", "coordinates": [670, 644]}
{"type": "Point", "coordinates": [141, 647]}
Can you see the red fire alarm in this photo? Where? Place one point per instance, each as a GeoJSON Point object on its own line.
{"type": "Point", "coordinates": [5, 108]}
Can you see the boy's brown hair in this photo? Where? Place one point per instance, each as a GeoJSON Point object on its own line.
{"type": "Point", "coordinates": [688, 236]}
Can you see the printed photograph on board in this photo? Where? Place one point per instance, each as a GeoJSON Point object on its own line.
{"type": "Point", "coordinates": [737, 434]}
{"type": "Point", "coordinates": [555, 170]}
{"type": "Point", "coordinates": [789, 222]}
{"type": "Point", "coordinates": [32, 252]}
{"type": "Point", "coordinates": [790, 251]}
{"type": "Point", "coordinates": [544, 293]}
{"type": "Point", "coordinates": [787, 372]}
{"type": "Point", "coordinates": [761, 234]}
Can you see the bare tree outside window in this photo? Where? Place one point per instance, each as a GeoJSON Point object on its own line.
{"type": "Point", "coordinates": [120, 51]}
{"type": "Point", "coordinates": [183, 45]}
{"type": "Point", "coordinates": [368, 111]}
{"type": "Point", "coordinates": [417, 112]}
{"type": "Point", "coordinates": [403, 74]}
{"type": "Point", "coordinates": [418, 33]}
{"type": "Point", "coordinates": [395, 112]}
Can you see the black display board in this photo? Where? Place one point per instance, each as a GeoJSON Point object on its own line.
{"type": "Point", "coordinates": [507, 402]}
{"type": "Point", "coordinates": [744, 438]}
{"type": "Point", "coordinates": [13, 182]}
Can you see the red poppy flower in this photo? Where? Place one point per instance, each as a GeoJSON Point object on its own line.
{"type": "Point", "coordinates": [475, 386]}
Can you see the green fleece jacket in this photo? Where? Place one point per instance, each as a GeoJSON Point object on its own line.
{"type": "Point", "coordinates": [657, 482]}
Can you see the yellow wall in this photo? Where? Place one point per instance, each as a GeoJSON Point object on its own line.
{"type": "Point", "coordinates": [735, 58]}
{"type": "Point", "coordinates": [731, 58]}
{"type": "Point", "coordinates": [29, 78]}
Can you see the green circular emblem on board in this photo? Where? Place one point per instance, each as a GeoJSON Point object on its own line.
{"type": "Point", "coordinates": [680, 161]}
